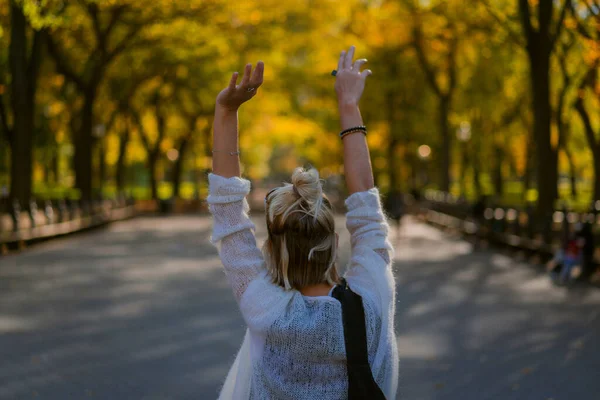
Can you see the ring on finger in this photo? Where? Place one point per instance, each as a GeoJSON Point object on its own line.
{"type": "Point", "coordinates": [251, 89]}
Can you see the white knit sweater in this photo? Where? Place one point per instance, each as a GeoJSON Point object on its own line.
{"type": "Point", "coordinates": [294, 345]}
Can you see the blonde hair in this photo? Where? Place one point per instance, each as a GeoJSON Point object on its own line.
{"type": "Point", "coordinates": [300, 249]}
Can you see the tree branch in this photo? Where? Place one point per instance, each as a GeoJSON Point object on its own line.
{"type": "Point", "coordinates": [92, 10]}
{"type": "Point", "coordinates": [102, 35]}
{"type": "Point", "coordinates": [114, 18]}
{"type": "Point", "coordinates": [123, 44]}
{"type": "Point", "coordinates": [512, 114]}
{"type": "Point", "coordinates": [160, 127]}
{"type": "Point", "coordinates": [589, 80]}
{"type": "Point", "coordinates": [452, 64]}
{"type": "Point", "coordinates": [580, 28]}
{"type": "Point", "coordinates": [589, 130]}
{"type": "Point", "coordinates": [559, 25]}
{"type": "Point", "coordinates": [525, 14]}
{"type": "Point", "coordinates": [62, 66]}
{"type": "Point", "coordinates": [112, 119]}
{"type": "Point", "coordinates": [143, 136]}
{"type": "Point", "coordinates": [429, 72]}
{"type": "Point", "coordinates": [514, 35]}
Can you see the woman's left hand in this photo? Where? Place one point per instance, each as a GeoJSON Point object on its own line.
{"type": "Point", "coordinates": [233, 96]}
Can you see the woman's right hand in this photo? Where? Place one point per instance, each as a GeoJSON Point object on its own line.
{"type": "Point", "coordinates": [233, 96]}
{"type": "Point", "coordinates": [350, 81]}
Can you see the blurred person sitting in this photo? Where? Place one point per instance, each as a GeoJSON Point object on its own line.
{"type": "Point", "coordinates": [301, 341]}
{"type": "Point", "coordinates": [571, 258]}
{"type": "Point", "coordinates": [569, 255]}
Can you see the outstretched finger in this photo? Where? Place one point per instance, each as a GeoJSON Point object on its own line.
{"type": "Point", "coordinates": [365, 73]}
{"type": "Point", "coordinates": [233, 80]}
{"type": "Point", "coordinates": [246, 78]}
{"type": "Point", "coordinates": [341, 60]}
{"type": "Point", "coordinates": [257, 75]}
{"type": "Point", "coordinates": [349, 57]}
{"type": "Point", "coordinates": [358, 64]}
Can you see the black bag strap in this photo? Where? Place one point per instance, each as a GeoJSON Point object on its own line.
{"type": "Point", "coordinates": [361, 384]}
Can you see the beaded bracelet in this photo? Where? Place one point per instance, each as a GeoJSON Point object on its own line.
{"type": "Point", "coordinates": [348, 131]}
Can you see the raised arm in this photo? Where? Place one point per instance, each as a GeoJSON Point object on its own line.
{"type": "Point", "coordinates": [349, 86]}
{"type": "Point", "coordinates": [232, 227]}
{"type": "Point", "coordinates": [370, 264]}
{"type": "Point", "coordinates": [259, 298]}
{"type": "Point", "coordinates": [226, 161]}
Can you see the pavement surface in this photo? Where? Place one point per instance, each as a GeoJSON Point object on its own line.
{"type": "Point", "coordinates": [142, 310]}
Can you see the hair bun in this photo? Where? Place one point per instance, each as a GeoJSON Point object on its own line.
{"type": "Point", "coordinates": [307, 184]}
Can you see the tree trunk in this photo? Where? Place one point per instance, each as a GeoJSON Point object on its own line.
{"type": "Point", "coordinates": [444, 110]}
{"type": "Point", "coordinates": [54, 166]}
{"type": "Point", "coordinates": [152, 164]}
{"type": "Point", "coordinates": [101, 166]}
{"type": "Point", "coordinates": [540, 42]}
{"type": "Point", "coordinates": [476, 163]}
{"type": "Point", "coordinates": [83, 148]}
{"type": "Point", "coordinates": [47, 168]}
{"type": "Point", "coordinates": [497, 177]}
{"type": "Point", "coordinates": [176, 177]}
{"type": "Point", "coordinates": [596, 152]}
{"type": "Point", "coordinates": [547, 163]}
{"type": "Point", "coordinates": [464, 170]}
{"type": "Point", "coordinates": [392, 168]}
{"type": "Point", "coordinates": [120, 173]}
{"type": "Point", "coordinates": [393, 139]}
{"type": "Point", "coordinates": [178, 167]}
{"type": "Point", "coordinates": [529, 161]}
{"type": "Point", "coordinates": [590, 133]}
{"type": "Point", "coordinates": [24, 75]}
{"type": "Point", "coordinates": [477, 180]}
{"type": "Point", "coordinates": [572, 172]}
{"type": "Point", "coordinates": [413, 163]}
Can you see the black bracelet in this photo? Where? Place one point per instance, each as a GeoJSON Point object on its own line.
{"type": "Point", "coordinates": [360, 128]}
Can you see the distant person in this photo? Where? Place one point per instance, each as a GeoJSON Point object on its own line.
{"type": "Point", "coordinates": [478, 210]}
{"type": "Point", "coordinates": [478, 215]}
{"type": "Point", "coordinates": [571, 258]}
{"type": "Point", "coordinates": [394, 208]}
{"type": "Point", "coordinates": [416, 194]}
{"type": "Point", "coordinates": [311, 334]}
{"type": "Point", "coordinates": [570, 255]}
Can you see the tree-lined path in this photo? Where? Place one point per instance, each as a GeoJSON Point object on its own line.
{"type": "Point", "coordinates": [142, 310]}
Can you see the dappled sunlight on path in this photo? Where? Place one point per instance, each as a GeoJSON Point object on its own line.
{"type": "Point", "coordinates": [480, 325]}
{"type": "Point", "coordinates": [142, 310]}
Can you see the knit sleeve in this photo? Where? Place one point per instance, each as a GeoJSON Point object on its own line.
{"type": "Point", "coordinates": [367, 223]}
{"type": "Point", "coordinates": [371, 251]}
{"type": "Point", "coordinates": [233, 231]}
{"type": "Point", "coordinates": [261, 301]}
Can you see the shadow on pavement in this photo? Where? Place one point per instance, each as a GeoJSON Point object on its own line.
{"type": "Point", "coordinates": [133, 313]}
{"type": "Point", "coordinates": [143, 310]}
{"type": "Point", "coordinates": [480, 325]}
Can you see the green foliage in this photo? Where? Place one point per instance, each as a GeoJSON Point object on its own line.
{"type": "Point", "coordinates": [165, 61]}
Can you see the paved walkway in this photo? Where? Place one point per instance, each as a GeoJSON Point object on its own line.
{"type": "Point", "coordinates": [141, 310]}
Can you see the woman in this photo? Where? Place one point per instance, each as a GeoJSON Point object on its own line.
{"type": "Point", "coordinates": [294, 346]}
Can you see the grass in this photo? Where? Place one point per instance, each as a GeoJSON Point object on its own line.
{"type": "Point", "coordinates": [514, 194]}
{"type": "Point", "coordinates": [165, 191]}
